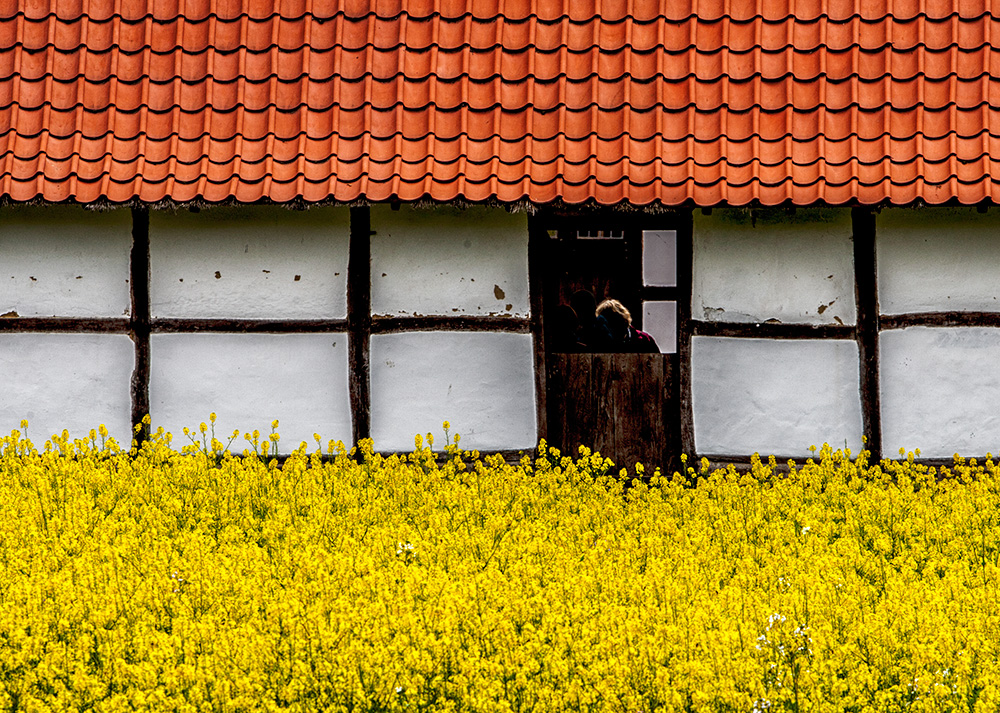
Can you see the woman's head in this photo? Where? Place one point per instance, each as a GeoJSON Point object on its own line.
{"type": "Point", "coordinates": [617, 316]}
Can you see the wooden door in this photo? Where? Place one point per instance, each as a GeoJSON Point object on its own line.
{"type": "Point", "coordinates": [623, 405]}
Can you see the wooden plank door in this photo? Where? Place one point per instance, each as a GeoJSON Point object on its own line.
{"type": "Point", "coordinates": [623, 405]}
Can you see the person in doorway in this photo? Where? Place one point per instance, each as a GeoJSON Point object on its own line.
{"type": "Point", "coordinates": [565, 333]}
{"type": "Point", "coordinates": [626, 337]}
{"type": "Point", "coordinates": [594, 333]}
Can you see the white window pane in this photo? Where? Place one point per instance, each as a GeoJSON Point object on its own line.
{"type": "Point", "coordinates": [62, 261]}
{"type": "Point", "coordinates": [248, 380]}
{"type": "Point", "coordinates": [659, 320]}
{"type": "Point", "coordinates": [263, 262]}
{"type": "Point", "coordinates": [774, 396]}
{"type": "Point", "coordinates": [659, 258]}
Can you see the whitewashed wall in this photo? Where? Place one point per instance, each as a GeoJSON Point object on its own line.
{"type": "Point", "coordinates": [62, 261]}
{"type": "Point", "coordinates": [449, 261]}
{"type": "Point", "coordinates": [262, 262]}
{"type": "Point", "coordinates": [938, 259]}
{"type": "Point", "coordinates": [249, 380]}
{"type": "Point", "coordinates": [483, 384]}
{"type": "Point", "coordinates": [74, 382]}
{"type": "Point", "coordinates": [774, 396]}
{"type": "Point", "coordinates": [940, 390]}
{"type": "Point", "coordinates": [793, 268]}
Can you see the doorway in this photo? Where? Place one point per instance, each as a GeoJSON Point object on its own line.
{"type": "Point", "coordinates": [620, 403]}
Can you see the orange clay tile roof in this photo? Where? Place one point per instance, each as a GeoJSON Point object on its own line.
{"type": "Point", "coordinates": [646, 101]}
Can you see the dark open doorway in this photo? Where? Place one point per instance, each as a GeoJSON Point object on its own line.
{"type": "Point", "coordinates": [622, 404]}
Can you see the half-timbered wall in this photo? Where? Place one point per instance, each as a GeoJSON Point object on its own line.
{"type": "Point", "coordinates": [450, 304]}
{"type": "Point", "coordinates": [349, 322]}
{"type": "Point", "coordinates": [62, 262]}
{"type": "Point", "coordinates": [940, 330]}
{"type": "Point", "coordinates": [801, 327]}
{"type": "Point", "coordinates": [774, 360]}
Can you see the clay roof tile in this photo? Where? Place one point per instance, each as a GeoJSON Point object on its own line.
{"type": "Point", "coordinates": [607, 100]}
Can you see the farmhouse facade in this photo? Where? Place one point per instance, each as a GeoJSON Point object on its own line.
{"type": "Point", "coordinates": [361, 217]}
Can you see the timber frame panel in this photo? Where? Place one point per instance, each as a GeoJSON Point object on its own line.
{"type": "Point", "coordinates": [359, 325]}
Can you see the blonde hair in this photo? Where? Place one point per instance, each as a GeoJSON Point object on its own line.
{"type": "Point", "coordinates": [617, 307]}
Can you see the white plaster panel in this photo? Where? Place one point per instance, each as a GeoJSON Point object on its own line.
{"type": "Point", "coordinates": [249, 380]}
{"type": "Point", "coordinates": [74, 382]}
{"type": "Point", "coordinates": [940, 388]}
{"type": "Point", "coordinates": [263, 262]}
{"type": "Point", "coordinates": [449, 261]}
{"type": "Point", "coordinates": [773, 396]}
{"type": "Point", "coordinates": [64, 261]}
{"type": "Point", "coordinates": [483, 384]}
{"type": "Point", "coordinates": [938, 259]}
{"type": "Point", "coordinates": [787, 267]}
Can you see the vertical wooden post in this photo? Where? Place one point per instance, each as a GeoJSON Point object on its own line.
{"type": "Point", "coordinates": [359, 320]}
{"type": "Point", "coordinates": [537, 241]}
{"type": "Point", "coordinates": [867, 331]}
{"type": "Point", "coordinates": [139, 322]}
{"type": "Point", "coordinates": [685, 254]}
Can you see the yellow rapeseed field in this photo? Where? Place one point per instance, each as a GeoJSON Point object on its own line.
{"type": "Point", "coordinates": [157, 578]}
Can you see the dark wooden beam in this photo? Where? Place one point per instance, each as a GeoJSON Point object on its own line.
{"type": "Point", "coordinates": [99, 325]}
{"type": "Point", "coordinates": [940, 319]}
{"type": "Point", "coordinates": [445, 323]}
{"type": "Point", "coordinates": [139, 324]}
{"type": "Point", "coordinates": [772, 330]}
{"type": "Point", "coordinates": [359, 320]}
{"type": "Point", "coordinates": [655, 293]}
{"type": "Point", "coordinates": [170, 325]}
{"type": "Point", "coordinates": [685, 329]}
{"type": "Point", "coordinates": [866, 293]}
{"type": "Point", "coordinates": [538, 238]}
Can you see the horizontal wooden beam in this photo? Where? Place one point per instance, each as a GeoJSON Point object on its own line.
{"type": "Point", "coordinates": [464, 323]}
{"type": "Point", "coordinates": [771, 330]}
{"type": "Point", "coordinates": [170, 325]}
{"type": "Point", "coordinates": [940, 319]}
{"type": "Point", "coordinates": [99, 325]}
{"type": "Point", "coordinates": [660, 294]}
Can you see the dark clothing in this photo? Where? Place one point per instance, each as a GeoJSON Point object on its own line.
{"type": "Point", "coordinates": [638, 341]}
{"type": "Point", "coordinates": [596, 336]}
